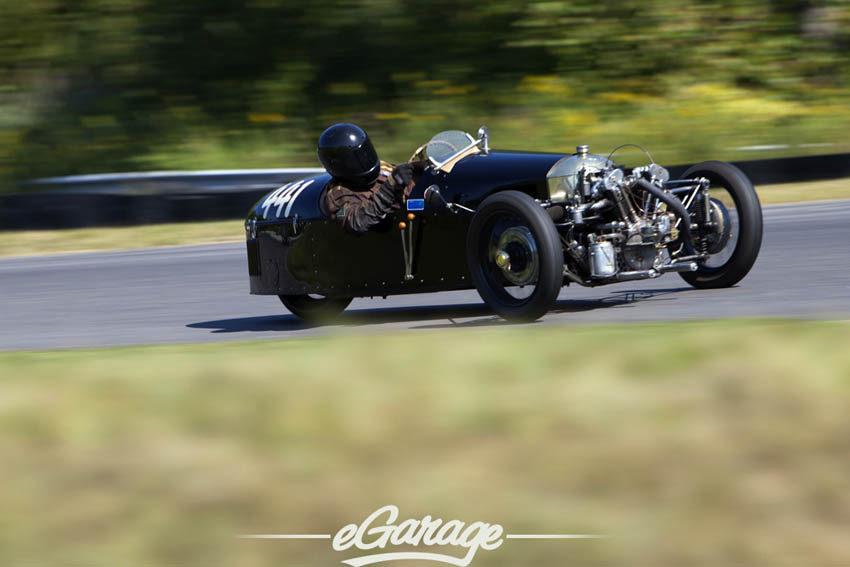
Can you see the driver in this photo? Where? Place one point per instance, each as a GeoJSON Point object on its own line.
{"type": "Point", "coordinates": [364, 189]}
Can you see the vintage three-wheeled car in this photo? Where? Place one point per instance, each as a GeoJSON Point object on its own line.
{"type": "Point", "coordinates": [516, 226]}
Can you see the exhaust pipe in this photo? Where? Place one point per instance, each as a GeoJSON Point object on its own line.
{"type": "Point", "coordinates": [675, 204]}
{"type": "Point", "coordinates": [680, 267]}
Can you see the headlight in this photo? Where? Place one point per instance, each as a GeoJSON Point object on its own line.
{"type": "Point", "coordinates": [612, 179]}
{"type": "Point", "coordinates": [659, 173]}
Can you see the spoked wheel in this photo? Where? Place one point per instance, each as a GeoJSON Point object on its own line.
{"type": "Point", "coordinates": [515, 256]}
{"type": "Point", "coordinates": [732, 235]}
{"type": "Point", "coordinates": [315, 308]}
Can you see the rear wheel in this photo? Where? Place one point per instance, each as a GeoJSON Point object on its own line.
{"type": "Point", "coordinates": [514, 256]}
{"type": "Point", "coordinates": [315, 308]}
{"type": "Point", "coordinates": [733, 237]}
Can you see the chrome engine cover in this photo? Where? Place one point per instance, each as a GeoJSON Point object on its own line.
{"type": "Point", "coordinates": [564, 179]}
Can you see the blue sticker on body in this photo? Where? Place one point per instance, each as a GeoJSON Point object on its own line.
{"type": "Point", "coordinates": [416, 204]}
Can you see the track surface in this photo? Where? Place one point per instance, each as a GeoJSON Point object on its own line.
{"type": "Point", "coordinates": [200, 293]}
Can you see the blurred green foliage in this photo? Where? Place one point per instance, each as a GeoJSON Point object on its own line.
{"type": "Point", "coordinates": [110, 85]}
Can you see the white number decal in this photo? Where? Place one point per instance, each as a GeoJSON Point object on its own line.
{"type": "Point", "coordinates": [285, 195]}
{"type": "Point", "coordinates": [295, 196]}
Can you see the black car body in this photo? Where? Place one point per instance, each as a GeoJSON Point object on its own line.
{"type": "Point", "coordinates": [515, 226]}
{"type": "Point", "coordinates": [294, 249]}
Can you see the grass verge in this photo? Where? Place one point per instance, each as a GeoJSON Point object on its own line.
{"type": "Point", "coordinates": [31, 242]}
{"type": "Point", "coordinates": [712, 443]}
{"type": "Point", "coordinates": [26, 243]}
{"type": "Point", "coordinates": [800, 192]}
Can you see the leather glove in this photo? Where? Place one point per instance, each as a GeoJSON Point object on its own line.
{"type": "Point", "coordinates": [401, 177]}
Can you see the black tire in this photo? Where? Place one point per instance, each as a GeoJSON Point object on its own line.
{"type": "Point", "coordinates": [519, 212]}
{"type": "Point", "coordinates": [315, 309]}
{"type": "Point", "coordinates": [749, 220]}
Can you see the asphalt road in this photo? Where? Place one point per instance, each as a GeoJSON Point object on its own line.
{"type": "Point", "coordinates": [200, 293]}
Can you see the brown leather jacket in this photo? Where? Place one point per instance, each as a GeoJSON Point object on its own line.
{"type": "Point", "coordinates": [358, 211]}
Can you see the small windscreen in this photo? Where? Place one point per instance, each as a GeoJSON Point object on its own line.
{"type": "Point", "coordinates": [446, 144]}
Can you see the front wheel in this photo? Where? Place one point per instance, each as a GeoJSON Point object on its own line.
{"type": "Point", "coordinates": [515, 256]}
{"type": "Point", "coordinates": [315, 308]}
{"type": "Point", "coordinates": [732, 238]}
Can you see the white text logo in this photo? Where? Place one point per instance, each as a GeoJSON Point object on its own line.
{"type": "Point", "coordinates": [382, 534]}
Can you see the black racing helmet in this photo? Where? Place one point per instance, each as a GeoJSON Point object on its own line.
{"type": "Point", "coordinates": [347, 153]}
